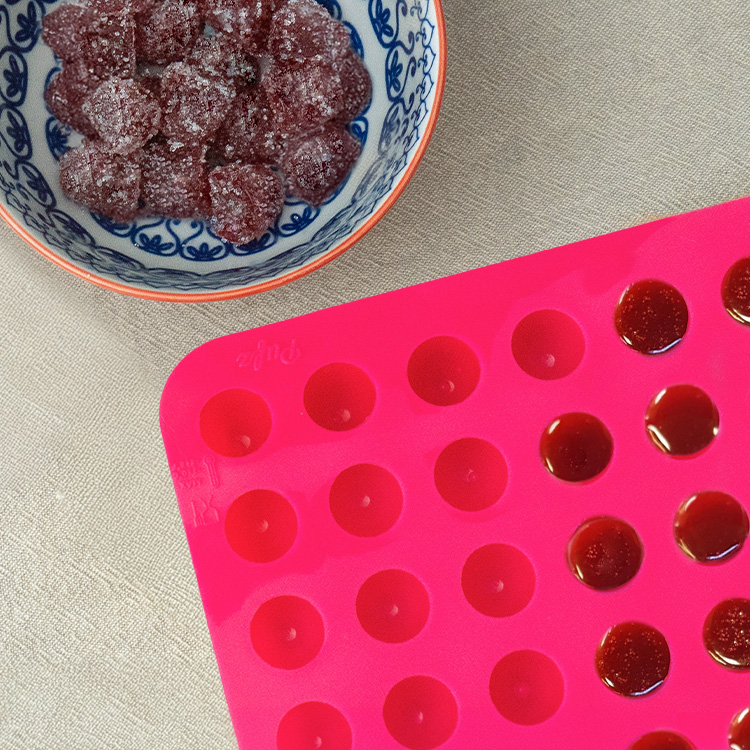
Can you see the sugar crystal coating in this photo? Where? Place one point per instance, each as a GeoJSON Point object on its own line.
{"type": "Point", "coordinates": [105, 182]}
{"type": "Point", "coordinates": [316, 166]}
{"type": "Point", "coordinates": [222, 57]}
{"type": "Point", "coordinates": [164, 33]}
{"type": "Point", "coordinates": [124, 114]}
{"type": "Point", "coordinates": [108, 46]}
{"type": "Point", "coordinates": [245, 201]}
{"type": "Point", "coordinates": [119, 6]}
{"type": "Point", "coordinates": [175, 181]}
{"type": "Point", "coordinates": [64, 28]}
{"type": "Point", "coordinates": [357, 86]}
{"type": "Point", "coordinates": [246, 21]}
{"type": "Point", "coordinates": [193, 105]}
{"type": "Point", "coordinates": [67, 92]}
{"type": "Point", "coordinates": [303, 29]}
{"type": "Point", "coordinates": [248, 133]}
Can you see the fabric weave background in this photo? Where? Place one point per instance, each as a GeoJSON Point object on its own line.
{"type": "Point", "coordinates": [562, 120]}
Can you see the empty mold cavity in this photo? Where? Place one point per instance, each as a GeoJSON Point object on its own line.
{"type": "Point", "coordinates": [471, 474]}
{"type": "Point", "coordinates": [662, 740]}
{"type": "Point", "coordinates": [235, 423]}
{"type": "Point", "coordinates": [651, 317]}
{"type": "Point", "coordinates": [339, 396]}
{"type": "Point", "coordinates": [314, 726]}
{"type": "Point", "coordinates": [605, 553]}
{"type": "Point", "coordinates": [633, 659]}
{"type": "Point", "coordinates": [443, 371]}
{"type": "Point", "coordinates": [260, 526]}
{"type": "Point", "coordinates": [739, 731]}
{"type": "Point", "coordinates": [548, 344]}
{"type": "Point", "coordinates": [527, 687]}
{"type": "Point", "coordinates": [287, 632]}
{"type": "Point", "coordinates": [420, 713]}
{"type": "Point", "coordinates": [393, 606]}
{"type": "Point", "coordinates": [735, 291]}
{"type": "Point", "coordinates": [726, 634]}
{"type": "Point", "coordinates": [498, 580]}
{"type": "Point", "coordinates": [711, 527]}
{"type": "Point", "coordinates": [682, 420]}
{"type": "Point", "coordinates": [576, 447]}
{"type": "Point", "coordinates": [365, 500]}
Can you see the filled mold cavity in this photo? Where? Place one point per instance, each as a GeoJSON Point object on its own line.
{"type": "Point", "coordinates": [420, 713]}
{"type": "Point", "coordinates": [726, 634]}
{"type": "Point", "coordinates": [443, 371]}
{"type": "Point", "coordinates": [498, 580]}
{"type": "Point", "coordinates": [576, 447]}
{"type": "Point", "coordinates": [393, 606]}
{"type": "Point", "coordinates": [651, 317]}
{"type": "Point", "coordinates": [471, 474]}
{"type": "Point", "coordinates": [235, 423]}
{"type": "Point", "coordinates": [287, 632]}
{"type": "Point", "coordinates": [605, 553]}
{"type": "Point", "coordinates": [739, 731]}
{"type": "Point", "coordinates": [711, 527]}
{"type": "Point", "coordinates": [260, 526]}
{"type": "Point", "coordinates": [527, 687]}
{"type": "Point", "coordinates": [682, 421]}
{"type": "Point", "coordinates": [365, 500]}
{"type": "Point", "coordinates": [735, 291]}
{"type": "Point", "coordinates": [548, 344]}
{"type": "Point", "coordinates": [314, 725]}
{"type": "Point", "coordinates": [662, 740]}
{"type": "Point", "coordinates": [633, 659]}
{"type": "Point", "coordinates": [339, 396]}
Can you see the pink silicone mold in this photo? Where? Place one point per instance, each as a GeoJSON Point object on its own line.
{"type": "Point", "coordinates": [382, 549]}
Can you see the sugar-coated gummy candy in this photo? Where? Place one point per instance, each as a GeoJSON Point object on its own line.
{"type": "Point", "coordinates": [64, 28]}
{"type": "Point", "coordinates": [193, 105]}
{"type": "Point", "coordinates": [119, 6]}
{"type": "Point", "coordinates": [101, 180]}
{"type": "Point", "coordinates": [67, 92]}
{"type": "Point", "coordinates": [174, 182]}
{"type": "Point", "coordinates": [248, 133]}
{"type": "Point", "coordinates": [303, 29]}
{"type": "Point", "coordinates": [315, 166]}
{"type": "Point", "coordinates": [108, 46]}
{"type": "Point", "coordinates": [124, 114]}
{"type": "Point", "coordinates": [151, 83]}
{"type": "Point", "coordinates": [167, 31]}
{"type": "Point", "coordinates": [356, 84]}
{"type": "Point", "coordinates": [245, 21]}
{"type": "Point", "coordinates": [304, 98]}
{"type": "Point", "coordinates": [245, 201]}
{"type": "Point", "coordinates": [220, 56]}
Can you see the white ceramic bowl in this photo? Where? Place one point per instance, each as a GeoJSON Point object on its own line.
{"type": "Point", "coordinates": [403, 45]}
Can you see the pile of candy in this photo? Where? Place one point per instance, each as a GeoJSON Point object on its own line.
{"type": "Point", "coordinates": [204, 108]}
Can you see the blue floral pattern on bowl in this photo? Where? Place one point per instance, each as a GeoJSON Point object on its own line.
{"type": "Point", "coordinates": [399, 42]}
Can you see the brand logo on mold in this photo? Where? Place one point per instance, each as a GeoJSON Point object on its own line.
{"type": "Point", "coordinates": [266, 354]}
{"type": "Point", "coordinates": [203, 512]}
{"type": "Point", "coordinates": [194, 472]}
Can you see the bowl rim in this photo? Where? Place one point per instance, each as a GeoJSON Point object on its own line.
{"type": "Point", "coordinates": [287, 278]}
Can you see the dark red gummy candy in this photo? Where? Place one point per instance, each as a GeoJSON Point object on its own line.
{"type": "Point", "coordinates": [124, 114]}
{"type": "Point", "coordinates": [174, 181]}
{"type": "Point", "coordinates": [221, 57]}
{"type": "Point", "coordinates": [193, 105]}
{"type": "Point", "coordinates": [63, 30]}
{"type": "Point", "coordinates": [357, 86]}
{"type": "Point", "coordinates": [303, 29]}
{"type": "Point", "coordinates": [67, 92]}
{"type": "Point", "coordinates": [316, 166]}
{"type": "Point", "coordinates": [248, 133]}
{"type": "Point", "coordinates": [245, 21]}
{"type": "Point", "coordinates": [304, 98]}
{"type": "Point", "coordinates": [119, 6]}
{"type": "Point", "coordinates": [108, 47]}
{"type": "Point", "coordinates": [165, 33]}
{"type": "Point", "coordinates": [245, 201]}
{"type": "Point", "coordinates": [105, 182]}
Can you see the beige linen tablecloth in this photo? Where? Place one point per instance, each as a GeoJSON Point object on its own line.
{"type": "Point", "coordinates": [562, 119]}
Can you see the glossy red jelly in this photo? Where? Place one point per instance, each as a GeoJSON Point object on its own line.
{"type": "Point", "coordinates": [662, 740]}
{"type": "Point", "coordinates": [682, 420]}
{"type": "Point", "coordinates": [711, 527]}
{"type": "Point", "coordinates": [739, 731]}
{"type": "Point", "coordinates": [726, 634]}
{"type": "Point", "coordinates": [651, 317]}
{"type": "Point", "coordinates": [633, 659]}
{"type": "Point", "coordinates": [576, 447]}
{"type": "Point", "coordinates": [735, 291]}
{"type": "Point", "coordinates": [605, 553]}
